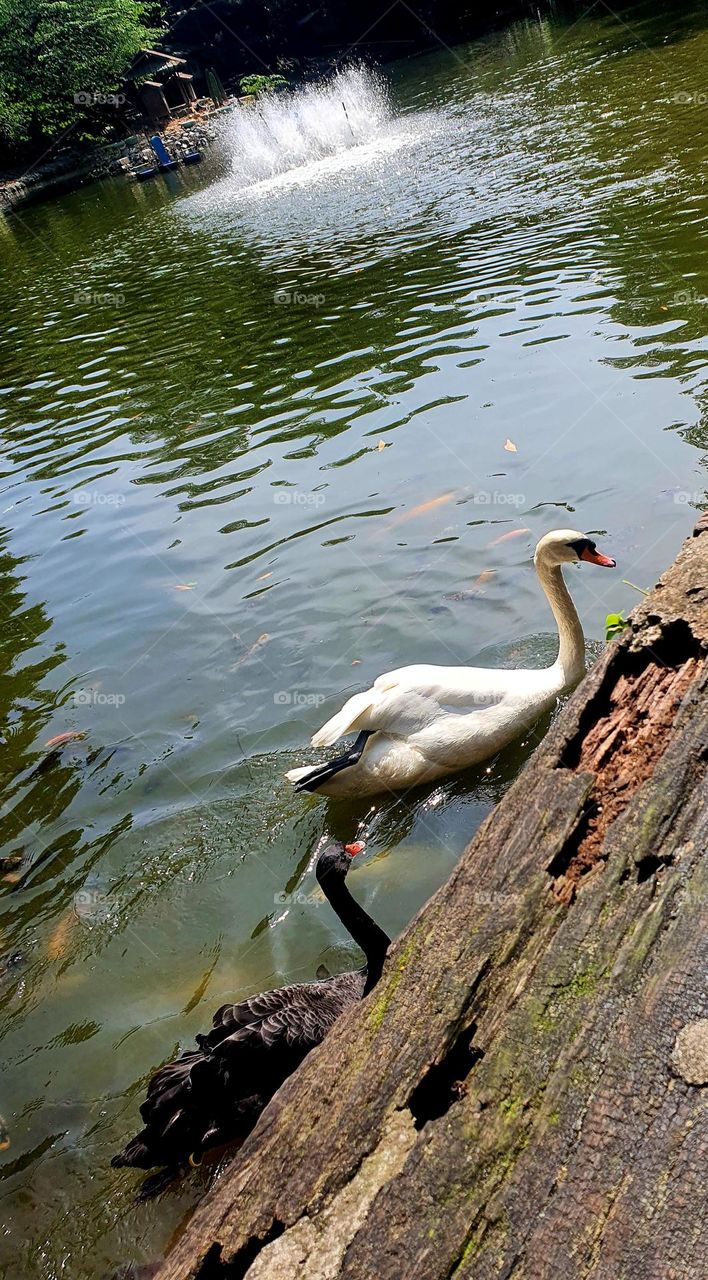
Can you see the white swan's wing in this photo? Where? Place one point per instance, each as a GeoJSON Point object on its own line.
{"type": "Point", "coordinates": [406, 701]}
{"type": "Point", "coordinates": [461, 688]}
{"type": "Point", "coordinates": [355, 714]}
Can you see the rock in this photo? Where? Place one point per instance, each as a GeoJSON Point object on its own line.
{"type": "Point", "coordinates": [690, 1052]}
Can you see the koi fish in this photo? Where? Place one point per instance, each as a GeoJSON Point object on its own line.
{"type": "Point", "coordinates": [422, 509]}
{"type": "Point", "coordinates": [506, 537]}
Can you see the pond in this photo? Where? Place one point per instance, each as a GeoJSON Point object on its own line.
{"type": "Point", "coordinates": [267, 428]}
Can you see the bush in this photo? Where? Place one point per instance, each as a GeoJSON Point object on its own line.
{"type": "Point", "coordinates": [262, 84]}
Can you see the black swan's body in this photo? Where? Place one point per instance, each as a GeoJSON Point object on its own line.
{"type": "Point", "coordinates": [215, 1093]}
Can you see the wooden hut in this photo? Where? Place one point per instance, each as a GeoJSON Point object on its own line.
{"type": "Point", "coordinates": [160, 86]}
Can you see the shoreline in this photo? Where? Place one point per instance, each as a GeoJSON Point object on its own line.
{"type": "Point", "coordinates": [58, 177]}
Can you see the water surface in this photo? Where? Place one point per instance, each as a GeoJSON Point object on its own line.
{"type": "Point", "coordinates": [254, 421]}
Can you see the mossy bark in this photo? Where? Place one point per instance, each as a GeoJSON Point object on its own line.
{"type": "Point", "coordinates": [510, 1101]}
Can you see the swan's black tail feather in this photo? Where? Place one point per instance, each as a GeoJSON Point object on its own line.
{"type": "Point", "coordinates": [136, 1155]}
{"type": "Point", "coordinates": [185, 1100]}
{"type": "Point", "coordinates": [322, 773]}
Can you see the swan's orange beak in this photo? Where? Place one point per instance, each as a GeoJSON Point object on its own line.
{"type": "Point", "coordinates": [353, 849]}
{"type": "Point", "coordinates": [596, 557]}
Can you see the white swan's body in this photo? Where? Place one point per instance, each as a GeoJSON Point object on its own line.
{"type": "Point", "coordinates": [428, 721]}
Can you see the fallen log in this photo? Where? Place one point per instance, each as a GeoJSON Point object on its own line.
{"type": "Point", "coordinates": [521, 1094]}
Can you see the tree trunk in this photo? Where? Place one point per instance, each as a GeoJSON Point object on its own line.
{"type": "Point", "coordinates": [521, 1094]}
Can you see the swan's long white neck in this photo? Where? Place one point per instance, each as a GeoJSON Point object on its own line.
{"type": "Point", "coordinates": [571, 652]}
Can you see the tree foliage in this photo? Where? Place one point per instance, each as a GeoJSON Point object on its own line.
{"type": "Point", "coordinates": [57, 56]}
{"type": "Point", "coordinates": [262, 84]}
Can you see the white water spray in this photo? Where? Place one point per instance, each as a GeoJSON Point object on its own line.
{"type": "Point", "coordinates": [285, 131]}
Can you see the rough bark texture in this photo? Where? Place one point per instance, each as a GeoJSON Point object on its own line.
{"type": "Point", "coordinates": [521, 1095]}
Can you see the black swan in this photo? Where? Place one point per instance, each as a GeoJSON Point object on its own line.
{"type": "Point", "coordinates": [215, 1093]}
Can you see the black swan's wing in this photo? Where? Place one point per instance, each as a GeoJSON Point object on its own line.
{"type": "Point", "coordinates": [216, 1093]}
{"type": "Point", "coordinates": [292, 1017]}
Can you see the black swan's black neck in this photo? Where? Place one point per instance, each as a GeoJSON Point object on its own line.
{"type": "Point", "coordinates": [365, 932]}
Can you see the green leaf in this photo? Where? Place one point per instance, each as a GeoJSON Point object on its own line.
{"type": "Point", "coordinates": [615, 624]}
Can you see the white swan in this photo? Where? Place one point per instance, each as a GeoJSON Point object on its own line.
{"type": "Point", "coordinates": [420, 723]}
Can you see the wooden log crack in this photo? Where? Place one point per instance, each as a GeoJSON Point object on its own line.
{"type": "Point", "coordinates": [620, 746]}
{"type": "Point", "coordinates": [521, 1096]}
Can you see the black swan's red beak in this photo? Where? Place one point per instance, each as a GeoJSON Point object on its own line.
{"type": "Point", "coordinates": [358, 846]}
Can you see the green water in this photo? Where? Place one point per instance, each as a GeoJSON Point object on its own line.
{"type": "Point", "coordinates": [514, 253]}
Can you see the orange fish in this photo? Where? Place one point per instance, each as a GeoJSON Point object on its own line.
{"type": "Point", "coordinates": [506, 537]}
{"type": "Point", "coordinates": [59, 937]}
{"type": "Point", "coordinates": [61, 738]}
{"type": "Point", "coordinates": [510, 446]}
{"type": "Point", "coordinates": [422, 509]}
